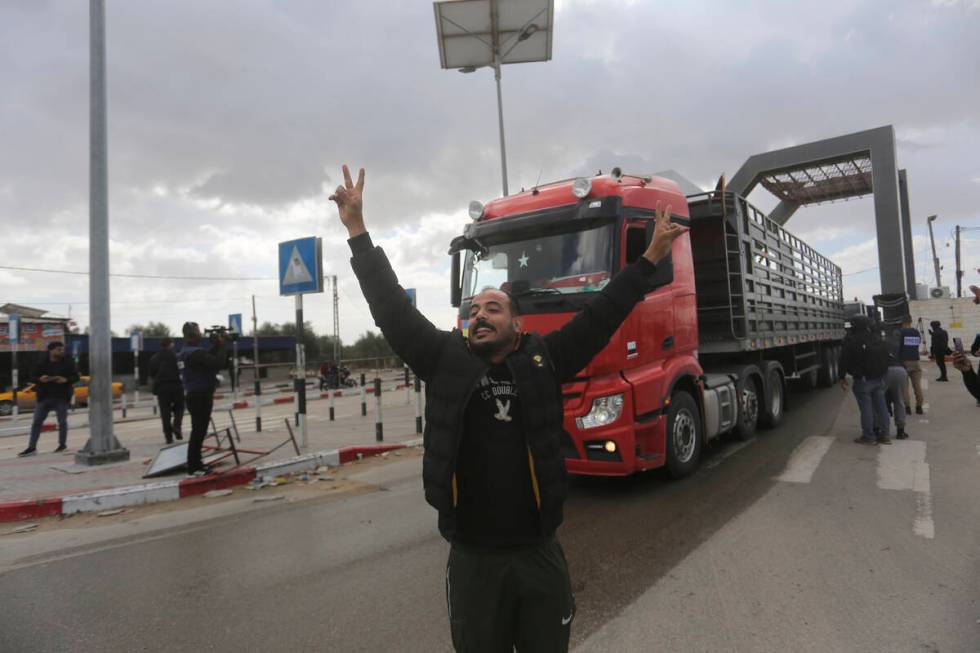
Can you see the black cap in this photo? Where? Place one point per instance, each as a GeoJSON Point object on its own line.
{"type": "Point", "coordinates": [55, 345]}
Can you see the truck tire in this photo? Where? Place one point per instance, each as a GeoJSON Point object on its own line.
{"type": "Point", "coordinates": [684, 435]}
{"type": "Point", "coordinates": [749, 400]}
{"type": "Point", "coordinates": [6, 408]}
{"type": "Point", "coordinates": [772, 411]}
{"type": "Point", "coordinates": [828, 367]}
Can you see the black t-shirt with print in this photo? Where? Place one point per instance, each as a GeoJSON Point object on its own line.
{"type": "Point", "coordinates": [497, 507]}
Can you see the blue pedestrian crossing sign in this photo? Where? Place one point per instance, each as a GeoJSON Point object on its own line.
{"type": "Point", "coordinates": [235, 323]}
{"type": "Point", "coordinates": [301, 266]}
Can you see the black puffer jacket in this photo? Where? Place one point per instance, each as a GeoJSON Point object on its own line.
{"type": "Point", "coordinates": [539, 366]}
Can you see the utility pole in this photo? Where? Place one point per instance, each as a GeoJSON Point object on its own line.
{"type": "Point", "coordinates": [102, 446]}
{"type": "Point", "coordinates": [959, 270]}
{"type": "Point", "coordinates": [935, 257]}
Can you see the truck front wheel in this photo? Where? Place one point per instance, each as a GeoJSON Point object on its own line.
{"type": "Point", "coordinates": [6, 407]}
{"type": "Point", "coordinates": [684, 435]}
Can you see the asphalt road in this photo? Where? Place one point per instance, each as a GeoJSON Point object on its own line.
{"type": "Point", "coordinates": [365, 572]}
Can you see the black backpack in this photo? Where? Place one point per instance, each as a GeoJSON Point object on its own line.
{"type": "Point", "coordinates": [876, 357]}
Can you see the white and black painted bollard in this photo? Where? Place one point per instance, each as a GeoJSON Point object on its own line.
{"type": "Point", "coordinates": [418, 404]}
{"type": "Point", "coordinates": [363, 398]}
{"type": "Point", "coordinates": [124, 405]}
{"type": "Point", "coordinates": [379, 434]}
{"type": "Point", "coordinates": [332, 393]}
{"type": "Point", "coordinates": [408, 387]}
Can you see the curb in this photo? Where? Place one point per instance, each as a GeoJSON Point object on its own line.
{"type": "Point", "coordinates": [138, 495]}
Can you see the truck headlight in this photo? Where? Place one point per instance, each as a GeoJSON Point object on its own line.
{"type": "Point", "coordinates": [605, 410]}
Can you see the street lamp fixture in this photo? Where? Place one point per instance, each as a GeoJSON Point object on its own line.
{"type": "Point", "coordinates": [477, 34]}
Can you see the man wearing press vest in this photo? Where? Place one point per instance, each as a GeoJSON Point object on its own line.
{"type": "Point", "coordinates": [492, 465]}
{"type": "Point", "coordinates": [199, 367]}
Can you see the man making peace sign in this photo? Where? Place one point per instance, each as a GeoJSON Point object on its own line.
{"type": "Point", "coordinates": [492, 465]}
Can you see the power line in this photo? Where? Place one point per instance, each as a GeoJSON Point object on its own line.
{"type": "Point", "coordinates": [139, 276]}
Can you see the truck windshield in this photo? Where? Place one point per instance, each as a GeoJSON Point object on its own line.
{"type": "Point", "coordinates": [565, 263]}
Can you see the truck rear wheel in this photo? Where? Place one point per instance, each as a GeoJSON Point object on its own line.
{"type": "Point", "coordinates": [6, 407]}
{"type": "Point", "coordinates": [775, 405]}
{"type": "Point", "coordinates": [828, 367]}
{"type": "Point", "coordinates": [748, 408]}
{"type": "Point", "coordinates": [684, 435]}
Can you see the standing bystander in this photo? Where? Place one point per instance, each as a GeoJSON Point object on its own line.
{"type": "Point", "coordinates": [199, 368]}
{"type": "Point", "coordinates": [168, 389]}
{"type": "Point", "coordinates": [939, 348]}
{"type": "Point", "coordinates": [54, 378]}
{"type": "Point", "coordinates": [908, 340]}
{"type": "Point", "coordinates": [865, 357]}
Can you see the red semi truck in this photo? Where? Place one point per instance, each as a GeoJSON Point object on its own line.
{"type": "Point", "coordinates": [739, 309]}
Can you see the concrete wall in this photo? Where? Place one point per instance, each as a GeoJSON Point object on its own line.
{"type": "Point", "coordinates": [960, 317]}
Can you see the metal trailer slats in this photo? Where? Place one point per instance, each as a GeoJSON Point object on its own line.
{"type": "Point", "coordinates": [758, 285]}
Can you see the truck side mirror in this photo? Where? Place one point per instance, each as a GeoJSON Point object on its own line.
{"type": "Point", "coordinates": [455, 286]}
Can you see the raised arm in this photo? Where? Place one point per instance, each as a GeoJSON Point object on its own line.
{"type": "Point", "coordinates": [575, 344]}
{"type": "Point", "coordinates": [411, 335]}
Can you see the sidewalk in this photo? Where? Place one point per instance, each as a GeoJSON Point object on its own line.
{"type": "Point", "coordinates": [49, 475]}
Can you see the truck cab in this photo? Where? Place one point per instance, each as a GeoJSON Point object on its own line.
{"type": "Point", "coordinates": [552, 248]}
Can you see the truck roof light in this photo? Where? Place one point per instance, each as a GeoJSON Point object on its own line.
{"type": "Point", "coordinates": [476, 210]}
{"type": "Point", "coordinates": [581, 187]}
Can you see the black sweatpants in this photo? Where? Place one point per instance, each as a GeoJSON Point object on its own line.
{"type": "Point", "coordinates": [171, 402]}
{"type": "Point", "coordinates": [199, 406]}
{"type": "Point", "coordinates": [941, 364]}
{"type": "Point", "coordinates": [499, 600]}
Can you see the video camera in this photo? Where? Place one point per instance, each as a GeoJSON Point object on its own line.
{"type": "Point", "coordinates": [217, 332]}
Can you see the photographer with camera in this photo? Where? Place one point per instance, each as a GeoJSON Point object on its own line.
{"type": "Point", "coordinates": [199, 367]}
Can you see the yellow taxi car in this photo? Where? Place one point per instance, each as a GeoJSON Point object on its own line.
{"type": "Point", "coordinates": [27, 396]}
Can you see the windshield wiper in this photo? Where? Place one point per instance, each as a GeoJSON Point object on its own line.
{"type": "Point", "coordinates": [551, 296]}
{"type": "Point", "coordinates": [538, 291]}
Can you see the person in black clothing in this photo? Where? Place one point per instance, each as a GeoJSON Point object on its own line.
{"type": "Point", "coordinates": [168, 389]}
{"type": "Point", "coordinates": [199, 368]}
{"type": "Point", "coordinates": [492, 466]}
{"type": "Point", "coordinates": [54, 378]}
{"type": "Point", "coordinates": [865, 357]}
{"type": "Point", "coordinates": [970, 379]}
{"type": "Point", "coordinates": [975, 347]}
{"type": "Point", "coordinates": [939, 347]}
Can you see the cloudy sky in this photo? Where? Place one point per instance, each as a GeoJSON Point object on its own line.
{"type": "Point", "coordinates": [229, 120]}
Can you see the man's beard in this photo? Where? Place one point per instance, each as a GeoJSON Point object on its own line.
{"type": "Point", "coordinates": [487, 349]}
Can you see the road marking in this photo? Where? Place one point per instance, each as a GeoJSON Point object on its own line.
{"type": "Point", "coordinates": [805, 459]}
{"type": "Point", "coordinates": [728, 453]}
{"type": "Point", "coordinates": [903, 466]}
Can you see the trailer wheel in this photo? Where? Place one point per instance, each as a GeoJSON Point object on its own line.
{"type": "Point", "coordinates": [828, 367]}
{"type": "Point", "coordinates": [772, 412]}
{"type": "Point", "coordinates": [748, 408]}
{"type": "Point", "coordinates": [683, 434]}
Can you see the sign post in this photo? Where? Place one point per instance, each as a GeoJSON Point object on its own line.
{"type": "Point", "coordinates": [13, 336]}
{"type": "Point", "coordinates": [135, 340]}
{"type": "Point", "coordinates": [300, 272]}
{"type": "Point", "coordinates": [235, 327]}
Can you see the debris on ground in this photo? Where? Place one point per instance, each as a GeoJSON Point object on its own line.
{"type": "Point", "coordinates": [110, 513]}
{"type": "Point", "coordinates": [274, 497]}
{"type": "Point", "coordinates": [213, 494]}
{"type": "Point", "coordinates": [26, 528]}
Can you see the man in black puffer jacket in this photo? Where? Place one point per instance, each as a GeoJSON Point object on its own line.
{"type": "Point", "coordinates": [492, 465]}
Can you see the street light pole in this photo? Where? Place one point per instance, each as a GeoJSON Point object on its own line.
{"type": "Point", "coordinates": [935, 257]}
{"type": "Point", "coordinates": [102, 446]}
{"type": "Point", "coordinates": [500, 118]}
